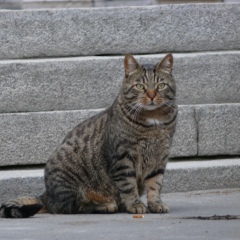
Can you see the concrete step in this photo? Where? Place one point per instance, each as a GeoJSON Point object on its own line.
{"type": "Point", "coordinates": [179, 177]}
{"type": "Point", "coordinates": [101, 31]}
{"type": "Point", "coordinates": [94, 82]}
{"type": "Point", "coordinates": [202, 130]}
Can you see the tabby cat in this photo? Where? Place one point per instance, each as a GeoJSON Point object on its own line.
{"type": "Point", "coordinates": [105, 163]}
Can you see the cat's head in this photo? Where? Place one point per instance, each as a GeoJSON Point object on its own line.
{"type": "Point", "coordinates": [148, 87]}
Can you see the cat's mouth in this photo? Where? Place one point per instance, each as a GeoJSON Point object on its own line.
{"type": "Point", "coordinates": [153, 105]}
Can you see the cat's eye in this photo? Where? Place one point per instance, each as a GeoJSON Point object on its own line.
{"type": "Point", "coordinates": [140, 86]}
{"type": "Point", "coordinates": [161, 86]}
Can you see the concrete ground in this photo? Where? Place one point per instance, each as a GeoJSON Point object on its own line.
{"type": "Point", "coordinates": [173, 225]}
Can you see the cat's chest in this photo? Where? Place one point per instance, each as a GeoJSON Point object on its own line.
{"type": "Point", "coordinates": [148, 149]}
{"type": "Point", "coordinates": [153, 121]}
{"type": "Point", "coordinates": [152, 149]}
{"type": "Point", "coordinates": [148, 146]}
{"type": "Point", "coordinates": [149, 152]}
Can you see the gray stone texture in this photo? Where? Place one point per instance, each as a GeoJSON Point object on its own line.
{"type": "Point", "coordinates": [98, 31]}
{"type": "Point", "coordinates": [30, 138]}
{"type": "Point", "coordinates": [66, 84]}
{"type": "Point", "coordinates": [200, 175]}
{"type": "Point", "coordinates": [218, 129]}
{"type": "Point", "coordinates": [185, 138]}
{"type": "Point", "coordinates": [94, 82]}
{"type": "Point", "coordinates": [179, 177]}
{"type": "Point", "coordinates": [21, 183]}
{"type": "Point", "coordinates": [33, 4]}
{"type": "Point", "coordinates": [10, 4]}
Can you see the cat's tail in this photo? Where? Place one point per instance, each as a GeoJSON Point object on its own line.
{"type": "Point", "coordinates": [22, 207]}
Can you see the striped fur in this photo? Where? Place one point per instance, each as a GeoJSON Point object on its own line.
{"type": "Point", "coordinates": [105, 163]}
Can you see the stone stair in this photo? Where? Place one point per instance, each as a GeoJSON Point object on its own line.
{"type": "Point", "coordinates": [43, 4]}
{"type": "Point", "coordinates": [115, 31]}
{"type": "Point", "coordinates": [61, 66]}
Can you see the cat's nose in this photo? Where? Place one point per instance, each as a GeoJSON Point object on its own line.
{"type": "Point", "coordinates": [151, 93]}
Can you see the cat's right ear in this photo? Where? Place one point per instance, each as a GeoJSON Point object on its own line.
{"type": "Point", "coordinates": [130, 64]}
{"type": "Point", "coordinates": [166, 65]}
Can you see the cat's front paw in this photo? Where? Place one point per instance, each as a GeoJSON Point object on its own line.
{"type": "Point", "coordinates": [156, 207]}
{"type": "Point", "coordinates": [137, 208]}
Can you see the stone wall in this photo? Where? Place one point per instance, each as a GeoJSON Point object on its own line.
{"type": "Point", "coordinates": [60, 66]}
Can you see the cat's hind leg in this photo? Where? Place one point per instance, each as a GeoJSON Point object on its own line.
{"type": "Point", "coordinates": [98, 203]}
{"type": "Point", "coordinates": [106, 208]}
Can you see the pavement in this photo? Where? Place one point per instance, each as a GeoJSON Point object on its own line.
{"type": "Point", "coordinates": [180, 223]}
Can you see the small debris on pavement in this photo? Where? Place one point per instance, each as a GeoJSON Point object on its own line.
{"type": "Point", "coordinates": [138, 216]}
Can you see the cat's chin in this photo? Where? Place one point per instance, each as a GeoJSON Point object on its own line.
{"type": "Point", "coordinates": [150, 107]}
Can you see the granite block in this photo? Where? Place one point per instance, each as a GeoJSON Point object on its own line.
{"type": "Point", "coordinates": [94, 82]}
{"type": "Point", "coordinates": [105, 31]}
{"type": "Point", "coordinates": [218, 129]}
{"type": "Point", "coordinates": [30, 138]}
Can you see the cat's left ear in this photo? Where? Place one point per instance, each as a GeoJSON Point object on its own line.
{"type": "Point", "coordinates": [130, 64]}
{"type": "Point", "coordinates": [166, 65]}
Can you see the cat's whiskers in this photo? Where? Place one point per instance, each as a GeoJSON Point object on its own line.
{"type": "Point", "coordinates": [132, 106]}
{"type": "Point", "coordinates": [133, 109]}
{"type": "Point", "coordinates": [137, 111]}
{"type": "Point", "coordinates": [168, 103]}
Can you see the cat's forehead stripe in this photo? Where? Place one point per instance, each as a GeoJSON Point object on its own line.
{"type": "Point", "coordinates": [149, 74]}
